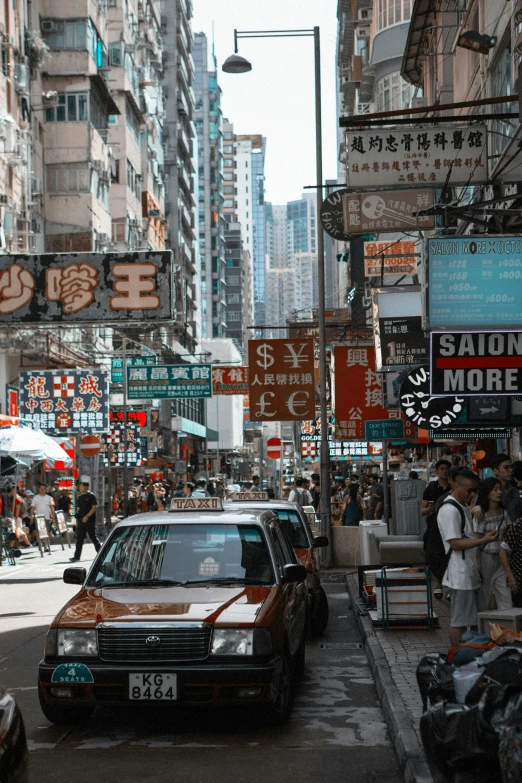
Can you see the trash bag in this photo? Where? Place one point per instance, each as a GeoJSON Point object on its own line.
{"type": "Point", "coordinates": [473, 646]}
{"type": "Point", "coordinates": [435, 680]}
{"type": "Point", "coordinates": [510, 753]}
{"type": "Point", "coordinates": [458, 740]}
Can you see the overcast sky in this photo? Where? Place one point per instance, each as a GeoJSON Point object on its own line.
{"type": "Point", "coordinates": [277, 97]}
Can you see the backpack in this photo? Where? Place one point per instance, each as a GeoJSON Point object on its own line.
{"type": "Point", "coordinates": [451, 502]}
{"type": "Point", "coordinates": [299, 499]}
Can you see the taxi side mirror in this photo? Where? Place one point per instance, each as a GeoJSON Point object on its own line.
{"type": "Point", "coordinates": [74, 576]}
{"type": "Point", "coordinates": [294, 573]}
{"type": "Point", "coordinates": [320, 541]}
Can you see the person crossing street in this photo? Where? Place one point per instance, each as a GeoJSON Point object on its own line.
{"type": "Point", "coordinates": [86, 506]}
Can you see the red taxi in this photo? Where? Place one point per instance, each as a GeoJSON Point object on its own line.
{"type": "Point", "coordinates": [294, 520]}
{"type": "Point", "coordinates": [196, 605]}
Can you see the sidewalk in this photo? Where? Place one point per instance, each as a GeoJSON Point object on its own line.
{"type": "Point", "coordinates": [394, 655]}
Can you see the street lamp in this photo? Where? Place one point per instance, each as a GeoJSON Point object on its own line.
{"type": "Point", "coordinates": [238, 64]}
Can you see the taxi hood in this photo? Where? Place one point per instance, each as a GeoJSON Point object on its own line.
{"type": "Point", "coordinates": [218, 605]}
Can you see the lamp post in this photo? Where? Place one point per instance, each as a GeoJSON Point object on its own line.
{"type": "Point", "coordinates": [237, 64]}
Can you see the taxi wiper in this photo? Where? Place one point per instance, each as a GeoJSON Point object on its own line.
{"type": "Point", "coordinates": [143, 583]}
{"type": "Point", "coordinates": [224, 580]}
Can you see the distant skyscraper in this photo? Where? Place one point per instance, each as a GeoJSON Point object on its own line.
{"type": "Point", "coordinates": [302, 230]}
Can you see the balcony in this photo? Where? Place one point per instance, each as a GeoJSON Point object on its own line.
{"type": "Point", "coordinates": [184, 142]}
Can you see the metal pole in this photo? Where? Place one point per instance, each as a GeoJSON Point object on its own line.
{"type": "Point", "coordinates": [260, 456]}
{"type": "Point", "coordinates": [325, 450]}
{"type": "Point", "coordinates": [125, 390]}
{"type": "Point", "coordinates": [386, 496]}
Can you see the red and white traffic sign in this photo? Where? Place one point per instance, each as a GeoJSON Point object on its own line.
{"type": "Point", "coordinates": [273, 448]}
{"type": "Point", "coordinates": [90, 445]}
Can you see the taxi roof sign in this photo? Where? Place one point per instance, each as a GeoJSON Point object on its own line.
{"type": "Point", "coordinates": [244, 496]}
{"type": "Point", "coordinates": [196, 504]}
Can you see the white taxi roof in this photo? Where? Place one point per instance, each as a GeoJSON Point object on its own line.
{"type": "Point", "coordinates": [233, 513]}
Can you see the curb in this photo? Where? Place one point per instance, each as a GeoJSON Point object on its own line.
{"type": "Point", "coordinates": [407, 746]}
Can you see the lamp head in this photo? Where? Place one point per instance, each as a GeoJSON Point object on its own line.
{"type": "Point", "coordinates": [236, 64]}
{"type": "Point", "coordinates": [476, 42]}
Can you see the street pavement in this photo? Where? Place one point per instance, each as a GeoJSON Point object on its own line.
{"type": "Point", "coordinates": [337, 730]}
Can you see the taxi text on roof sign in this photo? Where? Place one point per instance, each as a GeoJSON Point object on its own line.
{"type": "Point", "coordinates": [196, 504]}
{"type": "Point", "coordinates": [241, 496]}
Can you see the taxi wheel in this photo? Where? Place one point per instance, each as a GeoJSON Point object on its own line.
{"type": "Point", "coordinates": [279, 710]}
{"type": "Point", "coordinates": [320, 617]}
{"type": "Point", "coordinates": [64, 714]}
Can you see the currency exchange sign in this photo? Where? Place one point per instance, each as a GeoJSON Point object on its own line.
{"type": "Point", "coordinates": [358, 391]}
{"type": "Point", "coordinates": [68, 288]}
{"type": "Point", "coordinates": [229, 380]}
{"type": "Point", "coordinates": [65, 401]}
{"type": "Point", "coordinates": [423, 156]}
{"type": "Point", "coordinates": [281, 379]}
{"type": "Point", "coordinates": [169, 382]}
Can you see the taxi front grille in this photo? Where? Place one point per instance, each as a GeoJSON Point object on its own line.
{"type": "Point", "coordinates": [130, 643]}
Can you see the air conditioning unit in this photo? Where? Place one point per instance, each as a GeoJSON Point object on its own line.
{"type": "Point", "coordinates": [48, 25]}
{"type": "Point", "coordinates": [21, 77]}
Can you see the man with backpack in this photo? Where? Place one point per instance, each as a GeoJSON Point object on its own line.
{"type": "Point", "coordinates": [462, 575]}
{"type": "Point", "coordinates": [299, 494]}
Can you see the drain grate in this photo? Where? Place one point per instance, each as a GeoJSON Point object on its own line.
{"type": "Point", "coordinates": [342, 646]}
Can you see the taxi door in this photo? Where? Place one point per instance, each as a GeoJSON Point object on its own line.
{"type": "Point", "coordinates": [294, 592]}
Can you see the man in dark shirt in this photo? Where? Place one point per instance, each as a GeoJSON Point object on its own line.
{"type": "Point", "coordinates": [86, 506]}
{"type": "Point", "coordinates": [433, 547]}
{"type": "Point", "coordinates": [376, 496]}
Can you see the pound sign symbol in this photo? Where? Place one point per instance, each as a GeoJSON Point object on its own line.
{"type": "Point", "coordinates": [266, 359]}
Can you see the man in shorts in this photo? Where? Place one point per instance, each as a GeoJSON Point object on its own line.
{"type": "Point", "coordinates": [462, 575]}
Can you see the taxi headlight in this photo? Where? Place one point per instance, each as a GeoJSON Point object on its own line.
{"type": "Point", "coordinates": [77, 642]}
{"type": "Point", "coordinates": [232, 641]}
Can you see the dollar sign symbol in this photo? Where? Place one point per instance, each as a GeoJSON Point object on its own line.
{"type": "Point", "coordinates": [267, 360]}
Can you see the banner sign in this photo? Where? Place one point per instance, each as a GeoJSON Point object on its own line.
{"type": "Point", "coordinates": [475, 282]}
{"type": "Point", "coordinates": [132, 361]}
{"type": "Point", "coordinates": [134, 416]}
{"type": "Point", "coordinates": [68, 288]}
{"type": "Point", "coordinates": [390, 210]}
{"type": "Point", "coordinates": [421, 408]}
{"type": "Point", "coordinates": [470, 434]}
{"type": "Point", "coordinates": [358, 391]}
{"type": "Point", "coordinates": [390, 258]}
{"type": "Point", "coordinates": [455, 155]}
{"type": "Point", "coordinates": [229, 380]}
{"type": "Point", "coordinates": [400, 340]}
{"type": "Point", "coordinates": [169, 382]}
{"type": "Point", "coordinates": [281, 379]}
{"type": "Point", "coordinates": [476, 363]}
{"type": "Point", "coordinates": [65, 401]}
{"type": "Point", "coordinates": [114, 446]}
{"type": "Point", "coordinates": [12, 400]}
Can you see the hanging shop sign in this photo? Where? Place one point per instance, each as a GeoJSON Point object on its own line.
{"type": "Point", "coordinates": [12, 400]}
{"type": "Point", "coordinates": [456, 433]}
{"type": "Point", "coordinates": [489, 409]}
{"type": "Point", "coordinates": [281, 382]}
{"type": "Point", "coordinates": [358, 391]}
{"type": "Point", "coordinates": [65, 401]}
{"type": "Point", "coordinates": [169, 382]}
{"type": "Point", "coordinates": [332, 216]}
{"type": "Point", "coordinates": [383, 211]}
{"type": "Point", "coordinates": [136, 416]}
{"type": "Point", "coordinates": [390, 258]}
{"type": "Point", "coordinates": [455, 155]}
{"type": "Point", "coordinates": [400, 341]}
{"type": "Point", "coordinates": [424, 410]}
{"type": "Point", "coordinates": [474, 282]}
{"type": "Point", "coordinates": [113, 446]}
{"type": "Point", "coordinates": [476, 363]}
{"type": "Point", "coordinates": [384, 429]}
{"type": "Point", "coordinates": [229, 380]}
{"type": "Point", "coordinates": [68, 288]}
{"type": "Point", "coordinates": [132, 361]}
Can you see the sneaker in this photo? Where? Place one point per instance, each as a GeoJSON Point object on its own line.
{"type": "Point", "coordinates": [74, 559]}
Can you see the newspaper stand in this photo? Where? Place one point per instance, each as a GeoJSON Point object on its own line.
{"type": "Point", "coordinates": [404, 599]}
{"type": "Point", "coordinates": [42, 532]}
{"type": "Point", "coordinates": [62, 527]}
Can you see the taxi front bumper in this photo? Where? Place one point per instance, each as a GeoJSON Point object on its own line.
{"type": "Point", "coordinates": [206, 683]}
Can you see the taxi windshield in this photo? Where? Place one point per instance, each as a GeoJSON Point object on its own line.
{"type": "Point", "coordinates": [293, 527]}
{"type": "Point", "coordinates": [184, 554]}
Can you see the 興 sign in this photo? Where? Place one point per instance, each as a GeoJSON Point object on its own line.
{"type": "Point", "coordinates": [417, 156]}
{"type": "Point", "coordinates": [93, 287]}
{"type": "Point", "coordinates": [393, 210]}
{"type": "Point", "coordinates": [475, 282]}
{"type": "Point", "coordinates": [476, 363]}
{"type": "Point", "coordinates": [169, 382]}
{"type": "Point", "coordinates": [385, 258]}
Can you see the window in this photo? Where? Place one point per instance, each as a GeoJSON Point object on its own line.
{"type": "Point", "coordinates": [233, 281]}
{"type": "Point", "coordinates": [228, 190]}
{"type": "Point", "coordinates": [228, 149]}
{"type": "Point", "coordinates": [70, 107]}
{"type": "Point", "coordinates": [116, 54]}
{"type": "Point", "coordinates": [228, 176]}
{"type": "Point", "coordinates": [234, 315]}
{"type": "Point", "coordinates": [70, 34]}
{"type": "Point", "coordinates": [113, 119]}
{"type": "Point", "coordinates": [233, 298]}
{"type": "Point", "coordinates": [132, 123]}
{"type": "Point", "coordinates": [73, 179]}
{"type": "Point", "coordinates": [246, 177]}
{"type": "Point", "coordinates": [228, 203]}
{"type": "Point", "coordinates": [133, 180]}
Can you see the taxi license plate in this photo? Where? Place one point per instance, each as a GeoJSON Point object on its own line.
{"type": "Point", "coordinates": [153, 687]}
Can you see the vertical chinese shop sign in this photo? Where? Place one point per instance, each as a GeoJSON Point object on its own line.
{"type": "Point", "coordinates": [281, 377]}
{"type": "Point", "coordinates": [358, 391]}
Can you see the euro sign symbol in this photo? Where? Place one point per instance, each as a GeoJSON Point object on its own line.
{"type": "Point", "coordinates": [266, 360]}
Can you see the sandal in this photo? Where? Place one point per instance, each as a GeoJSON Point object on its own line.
{"type": "Point", "coordinates": [438, 593]}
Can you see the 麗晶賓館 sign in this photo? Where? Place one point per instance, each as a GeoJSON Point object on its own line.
{"type": "Point", "coordinates": [474, 281]}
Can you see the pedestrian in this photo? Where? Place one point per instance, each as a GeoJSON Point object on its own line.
{"type": "Point", "coordinates": [511, 558]}
{"type": "Point", "coordinates": [201, 489]}
{"type": "Point", "coordinates": [413, 475]}
{"type": "Point", "coordinates": [462, 575]}
{"type": "Point", "coordinates": [299, 494]}
{"type": "Point", "coordinates": [352, 510]}
{"type": "Point", "coordinates": [188, 489]}
{"type": "Point", "coordinates": [211, 489]}
{"type": "Point", "coordinates": [17, 511]}
{"type": "Point", "coordinates": [315, 490]}
{"type": "Point", "coordinates": [256, 484]}
{"type": "Point", "coordinates": [494, 580]}
{"type": "Point", "coordinates": [64, 503]}
{"type": "Point", "coordinates": [42, 505]}
{"type": "Point", "coordinates": [433, 548]}
{"type": "Point", "coordinates": [86, 506]}
{"type": "Point", "coordinates": [179, 491]}
{"type": "Point", "coordinates": [376, 496]}
{"type": "Point", "coordinates": [503, 468]}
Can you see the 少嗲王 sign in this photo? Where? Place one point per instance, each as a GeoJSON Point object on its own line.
{"type": "Point", "coordinates": [474, 281]}
{"type": "Point", "coordinates": [169, 381]}
{"type": "Point", "coordinates": [417, 156]}
{"type": "Point", "coordinates": [476, 363]}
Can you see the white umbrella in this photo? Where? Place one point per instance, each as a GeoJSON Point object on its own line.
{"type": "Point", "coordinates": [25, 444]}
